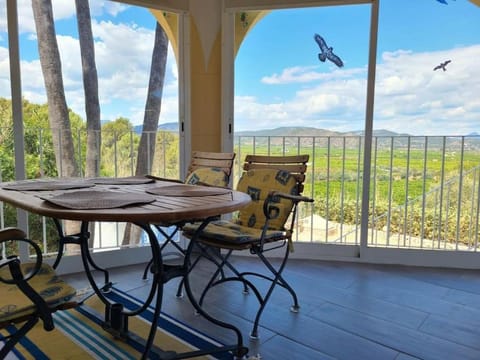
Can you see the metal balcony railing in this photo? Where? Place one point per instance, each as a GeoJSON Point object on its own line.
{"type": "Point", "coordinates": [424, 191]}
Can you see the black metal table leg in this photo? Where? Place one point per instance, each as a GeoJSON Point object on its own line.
{"type": "Point", "coordinates": [116, 316]}
{"type": "Point", "coordinates": [238, 350]}
{"type": "Point", "coordinates": [82, 237]}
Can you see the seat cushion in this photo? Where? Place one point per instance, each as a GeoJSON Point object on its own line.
{"type": "Point", "coordinates": [209, 176]}
{"type": "Point", "coordinates": [14, 304]}
{"type": "Point", "coordinates": [228, 234]}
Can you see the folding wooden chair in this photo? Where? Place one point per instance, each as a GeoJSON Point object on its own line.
{"type": "Point", "coordinates": [275, 184]}
{"type": "Point", "coordinates": [29, 292]}
{"type": "Point", "coordinates": [206, 168]}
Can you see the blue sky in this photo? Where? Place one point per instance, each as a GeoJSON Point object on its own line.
{"type": "Point", "coordinates": [279, 80]}
{"type": "Point", "coordinates": [280, 77]}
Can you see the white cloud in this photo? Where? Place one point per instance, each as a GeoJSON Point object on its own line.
{"type": "Point", "coordinates": [409, 96]}
{"type": "Point", "coordinates": [299, 74]}
{"type": "Point", "coordinates": [24, 13]}
{"type": "Point", "coordinates": [99, 7]}
{"type": "Point", "coordinates": [123, 54]}
{"type": "Point", "coordinates": [434, 102]}
{"type": "Point", "coordinates": [62, 9]}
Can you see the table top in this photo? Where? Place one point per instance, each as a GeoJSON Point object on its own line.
{"type": "Point", "coordinates": [157, 200]}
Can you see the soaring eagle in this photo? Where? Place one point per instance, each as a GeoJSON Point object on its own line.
{"type": "Point", "coordinates": [442, 65]}
{"type": "Point", "coordinates": [327, 52]}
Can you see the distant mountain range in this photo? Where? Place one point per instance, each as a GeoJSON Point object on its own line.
{"type": "Point", "coordinates": [293, 131]}
{"type": "Point", "coordinates": [282, 131]}
{"type": "Point", "coordinates": [171, 126]}
{"type": "Point", "coordinates": [310, 131]}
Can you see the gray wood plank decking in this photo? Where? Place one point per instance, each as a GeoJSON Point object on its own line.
{"type": "Point", "coordinates": [348, 311]}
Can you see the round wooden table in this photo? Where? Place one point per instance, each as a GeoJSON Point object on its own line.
{"type": "Point", "coordinates": [139, 200]}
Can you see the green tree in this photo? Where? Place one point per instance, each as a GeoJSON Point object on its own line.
{"type": "Point", "coordinates": [39, 157]}
{"type": "Point", "coordinates": [166, 161]}
{"type": "Point", "coordinates": [119, 142]}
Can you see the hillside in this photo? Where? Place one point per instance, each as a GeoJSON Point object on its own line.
{"type": "Point", "coordinates": [311, 131]}
{"type": "Point", "coordinates": [288, 131]}
{"type": "Point", "coordinates": [284, 131]}
{"type": "Point", "coordinates": [171, 126]}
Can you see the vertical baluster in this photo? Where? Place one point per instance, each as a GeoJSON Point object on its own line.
{"type": "Point", "coordinates": [390, 193]}
{"type": "Point", "coordinates": [79, 150]}
{"type": "Point", "coordinates": [406, 199]}
{"type": "Point", "coordinates": [477, 217]}
{"type": "Point", "coordinates": [357, 191]}
{"type": "Point", "coordinates": [327, 205]}
{"type": "Point", "coordinates": [342, 189]}
{"type": "Point", "coordinates": [442, 185]}
{"type": "Point", "coordinates": [312, 185]}
{"type": "Point", "coordinates": [374, 190]}
{"type": "Point", "coordinates": [424, 191]}
{"type": "Point", "coordinates": [459, 199]}
{"type": "Point", "coordinates": [42, 173]}
{"type": "Point", "coordinates": [472, 208]}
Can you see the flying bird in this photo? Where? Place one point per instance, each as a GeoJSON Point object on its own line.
{"type": "Point", "coordinates": [327, 52]}
{"type": "Point", "coordinates": [443, 2]}
{"type": "Point", "coordinates": [442, 65]}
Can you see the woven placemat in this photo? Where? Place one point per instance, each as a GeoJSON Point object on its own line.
{"type": "Point", "coordinates": [129, 180]}
{"type": "Point", "coordinates": [94, 199]}
{"type": "Point", "coordinates": [187, 190]}
{"type": "Point", "coordinates": [47, 185]}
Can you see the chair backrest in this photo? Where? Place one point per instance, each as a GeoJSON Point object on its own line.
{"type": "Point", "coordinates": [296, 165]}
{"type": "Point", "coordinates": [258, 183]}
{"type": "Point", "coordinates": [211, 168]}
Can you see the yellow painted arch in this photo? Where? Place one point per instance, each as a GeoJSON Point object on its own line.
{"type": "Point", "coordinates": [205, 71]}
{"type": "Point", "coordinates": [244, 21]}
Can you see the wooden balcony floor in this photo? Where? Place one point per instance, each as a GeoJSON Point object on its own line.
{"type": "Point", "coordinates": [348, 311]}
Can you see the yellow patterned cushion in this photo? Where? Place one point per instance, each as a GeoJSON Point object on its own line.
{"type": "Point", "coordinates": [247, 228]}
{"type": "Point", "coordinates": [210, 176]}
{"type": "Point", "coordinates": [13, 303]}
{"type": "Point", "coordinates": [258, 183]}
{"type": "Point", "coordinates": [229, 233]}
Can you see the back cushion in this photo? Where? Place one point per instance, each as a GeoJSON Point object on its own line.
{"type": "Point", "coordinates": [258, 183]}
{"type": "Point", "coordinates": [209, 176]}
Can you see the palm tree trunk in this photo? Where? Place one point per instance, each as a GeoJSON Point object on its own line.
{"type": "Point", "coordinates": [57, 106]}
{"type": "Point", "coordinates": [52, 75]}
{"type": "Point", "coordinates": [90, 87]}
{"type": "Point", "coordinates": [153, 105]}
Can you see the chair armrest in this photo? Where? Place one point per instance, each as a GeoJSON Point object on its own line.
{"type": "Point", "coordinates": [17, 235]}
{"type": "Point", "coordinates": [295, 198]}
{"type": "Point", "coordinates": [21, 280]}
{"type": "Point", "coordinates": [271, 211]}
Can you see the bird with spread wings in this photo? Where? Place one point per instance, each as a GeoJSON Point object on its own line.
{"type": "Point", "coordinates": [327, 52]}
{"type": "Point", "coordinates": [442, 66]}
